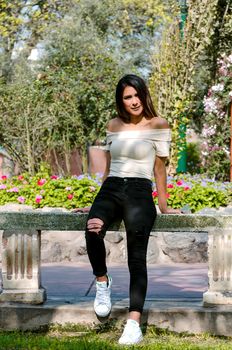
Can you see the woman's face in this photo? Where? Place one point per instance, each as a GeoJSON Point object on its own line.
{"type": "Point", "coordinates": [131, 102]}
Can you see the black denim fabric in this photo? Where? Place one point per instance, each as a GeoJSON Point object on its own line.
{"type": "Point", "coordinates": [130, 200]}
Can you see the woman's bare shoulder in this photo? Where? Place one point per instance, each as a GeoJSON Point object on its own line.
{"type": "Point", "coordinates": [159, 123]}
{"type": "Point", "coordinates": [114, 124]}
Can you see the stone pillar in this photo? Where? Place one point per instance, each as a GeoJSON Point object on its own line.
{"type": "Point", "coordinates": [220, 267]}
{"type": "Point", "coordinates": [21, 276]}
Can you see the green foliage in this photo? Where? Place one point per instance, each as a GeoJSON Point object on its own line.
{"type": "Point", "coordinates": [25, 23]}
{"type": "Point", "coordinates": [37, 117]}
{"type": "Point", "coordinates": [66, 105]}
{"type": "Point", "coordinates": [197, 197]}
{"type": "Point", "coordinates": [196, 192]}
{"type": "Point", "coordinates": [216, 134]}
{"type": "Point", "coordinates": [193, 158]}
{"type": "Point", "coordinates": [106, 338]}
{"type": "Point", "coordinates": [78, 192]}
{"type": "Point", "coordinates": [64, 101]}
{"type": "Point", "coordinates": [185, 64]}
{"type": "Point", "coordinates": [129, 27]}
{"type": "Point", "coordinates": [44, 190]}
{"type": "Point", "coordinates": [217, 164]}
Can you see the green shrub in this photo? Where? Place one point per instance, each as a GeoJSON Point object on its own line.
{"type": "Point", "coordinates": [79, 191]}
{"type": "Point", "coordinates": [52, 191]}
{"type": "Point", "coordinates": [193, 158]}
{"type": "Point", "coordinates": [196, 192]}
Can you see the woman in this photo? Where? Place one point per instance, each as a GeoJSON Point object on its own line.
{"type": "Point", "coordinates": [137, 147]}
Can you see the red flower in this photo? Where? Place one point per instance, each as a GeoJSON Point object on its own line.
{"type": "Point", "coordinates": [21, 177]}
{"type": "Point", "coordinates": [38, 199]}
{"type": "Point", "coordinates": [3, 177]}
{"type": "Point", "coordinates": [179, 183]}
{"type": "Point", "coordinates": [54, 177]}
{"type": "Point", "coordinates": [41, 182]}
{"type": "Point", "coordinates": [170, 186]}
{"type": "Point", "coordinates": [70, 196]}
{"type": "Point", "coordinates": [155, 194]}
{"type": "Point", "coordinates": [186, 188]}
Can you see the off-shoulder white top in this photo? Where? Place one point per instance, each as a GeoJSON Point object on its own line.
{"type": "Point", "coordinates": [133, 152]}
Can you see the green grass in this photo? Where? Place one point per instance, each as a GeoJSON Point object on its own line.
{"type": "Point", "coordinates": [105, 337]}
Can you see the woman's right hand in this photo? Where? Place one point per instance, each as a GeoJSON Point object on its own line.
{"type": "Point", "coordinates": [172, 211]}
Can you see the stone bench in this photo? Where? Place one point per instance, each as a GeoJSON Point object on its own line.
{"type": "Point", "coordinates": [21, 244]}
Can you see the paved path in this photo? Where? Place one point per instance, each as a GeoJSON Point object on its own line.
{"type": "Point", "coordinates": [174, 300]}
{"type": "Point", "coordinates": [72, 280]}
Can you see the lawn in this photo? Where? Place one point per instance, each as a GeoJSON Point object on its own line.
{"type": "Point", "coordinates": [105, 338]}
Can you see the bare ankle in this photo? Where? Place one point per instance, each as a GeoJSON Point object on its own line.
{"type": "Point", "coordinates": [135, 315]}
{"type": "Point", "coordinates": [102, 278]}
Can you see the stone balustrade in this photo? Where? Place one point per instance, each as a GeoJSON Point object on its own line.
{"type": "Point", "coordinates": [21, 245]}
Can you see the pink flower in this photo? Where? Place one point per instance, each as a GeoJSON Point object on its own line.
{"type": "Point", "coordinates": [186, 188]}
{"type": "Point", "coordinates": [41, 182]}
{"type": "Point", "coordinates": [167, 195]}
{"type": "Point", "coordinates": [14, 189]}
{"type": "Point", "coordinates": [179, 182]}
{"type": "Point", "coordinates": [54, 177]}
{"type": "Point", "coordinates": [38, 198]}
{"type": "Point", "coordinates": [3, 177]}
{"type": "Point", "coordinates": [155, 194]}
{"type": "Point", "coordinates": [223, 71]}
{"type": "Point", "coordinates": [70, 196]}
{"type": "Point", "coordinates": [2, 187]}
{"type": "Point", "coordinates": [21, 177]}
{"type": "Point", "coordinates": [21, 199]}
{"type": "Point", "coordinates": [170, 186]}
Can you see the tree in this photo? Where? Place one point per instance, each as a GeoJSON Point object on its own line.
{"type": "Point", "coordinates": [22, 25]}
{"type": "Point", "coordinates": [91, 72]}
{"type": "Point", "coordinates": [185, 65]}
{"type": "Point", "coordinates": [68, 103]}
{"type": "Point", "coordinates": [68, 96]}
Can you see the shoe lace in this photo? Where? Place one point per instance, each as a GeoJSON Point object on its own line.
{"type": "Point", "coordinates": [102, 294]}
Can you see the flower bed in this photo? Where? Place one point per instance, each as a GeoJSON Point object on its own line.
{"type": "Point", "coordinates": [197, 192]}
{"type": "Point", "coordinates": [79, 191]}
{"type": "Point", "coordinates": [51, 191]}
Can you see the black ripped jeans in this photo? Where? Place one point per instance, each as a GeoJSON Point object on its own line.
{"type": "Point", "coordinates": [130, 200]}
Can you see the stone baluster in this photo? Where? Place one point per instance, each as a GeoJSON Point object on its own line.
{"type": "Point", "coordinates": [220, 267]}
{"type": "Point", "coordinates": [21, 276]}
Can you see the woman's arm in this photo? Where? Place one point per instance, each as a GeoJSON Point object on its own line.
{"type": "Point", "coordinates": [161, 184]}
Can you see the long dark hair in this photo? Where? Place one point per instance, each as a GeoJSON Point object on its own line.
{"type": "Point", "coordinates": [143, 93]}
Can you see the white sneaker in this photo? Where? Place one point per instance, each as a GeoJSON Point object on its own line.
{"type": "Point", "coordinates": [132, 333]}
{"type": "Point", "coordinates": [102, 302]}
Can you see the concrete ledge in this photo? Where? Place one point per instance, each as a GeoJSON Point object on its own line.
{"type": "Point", "coordinates": [67, 221]}
{"type": "Point", "coordinates": [27, 296]}
{"type": "Point", "coordinates": [20, 247]}
{"type": "Point", "coordinates": [219, 298]}
{"type": "Point", "coordinates": [180, 315]}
